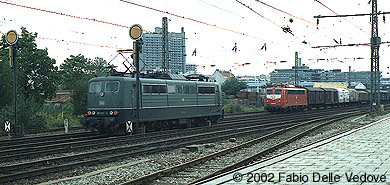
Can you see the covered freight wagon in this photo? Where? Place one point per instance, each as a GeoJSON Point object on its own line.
{"type": "Point", "coordinates": [315, 97]}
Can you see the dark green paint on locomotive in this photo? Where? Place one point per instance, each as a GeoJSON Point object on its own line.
{"type": "Point", "coordinates": [111, 102]}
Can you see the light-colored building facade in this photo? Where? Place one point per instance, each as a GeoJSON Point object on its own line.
{"type": "Point", "coordinates": [306, 75]}
{"type": "Point", "coordinates": [190, 67]}
{"type": "Point", "coordinates": [151, 55]}
{"type": "Point", "coordinates": [221, 76]}
{"type": "Point", "coordinates": [254, 83]}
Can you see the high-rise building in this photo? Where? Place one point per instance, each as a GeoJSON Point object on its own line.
{"type": "Point", "coordinates": [191, 67]}
{"type": "Point", "coordinates": [151, 56]}
{"type": "Point", "coordinates": [305, 74]}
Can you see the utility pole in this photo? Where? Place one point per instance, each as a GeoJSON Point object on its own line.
{"type": "Point", "coordinates": [375, 74]}
{"type": "Point", "coordinates": [183, 46]}
{"type": "Point", "coordinates": [349, 77]}
{"type": "Point", "coordinates": [165, 51]}
{"type": "Point", "coordinates": [136, 49]}
{"type": "Point", "coordinates": [374, 42]}
{"type": "Point", "coordinates": [296, 68]}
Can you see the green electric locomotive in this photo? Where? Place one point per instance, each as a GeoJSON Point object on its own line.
{"type": "Point", "coordinates": [163, 104]}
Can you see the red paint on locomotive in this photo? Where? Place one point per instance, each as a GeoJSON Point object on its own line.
{"type": "Point", "coordinates": [287, 98]}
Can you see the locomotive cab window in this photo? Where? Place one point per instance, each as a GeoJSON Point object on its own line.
{"type": "Point", "coordinates": [278, 91]}
{"type": "Point", "coordinates": [112, 86]}
{"type": "Point", "coordinates": [95, 87]}
{"type": "Point", "coordinates": [270, 91]}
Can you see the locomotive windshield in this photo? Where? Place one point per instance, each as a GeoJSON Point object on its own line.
{"type": "Point", "coordinates": [112, 86]}
{"type": "Point", "coordinates": [278, 91]}
{"type": "Point", "coordinates": [270, 91]}
{"type": "Point", "coordinates": [95, 87]}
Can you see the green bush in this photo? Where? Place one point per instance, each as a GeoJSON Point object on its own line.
{"type": "Point", "coordinates": [54, 117]}
{"type": "Point", "coordinates": [234, 106]}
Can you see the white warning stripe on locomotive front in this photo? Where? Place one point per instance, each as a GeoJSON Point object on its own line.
{"type": "Point", "coordinates": [274, 96]}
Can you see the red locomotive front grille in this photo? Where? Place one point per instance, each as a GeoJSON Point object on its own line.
{"type": "Point", "coordinates": [273, 99]}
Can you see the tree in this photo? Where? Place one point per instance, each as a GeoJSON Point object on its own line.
{"type": "Point", "coordinates": [36, 73]}
{"type": "Point", "coordinates": [6, 92]}
{"type": "Point", "coordinates": [76, 71]}
{"type": "Point", "coordinates": [233, 86]}
{"type": "Point", "coordinates": [36, 80]}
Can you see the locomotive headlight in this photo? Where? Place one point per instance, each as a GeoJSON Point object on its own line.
{"type": "Point", "coordinates": [89, 113]}
{"type": "Point", "coordinates": [115, 113]}
{"type": "Point", "coordinates": [93, 113]}
{"type": "Point", "coordinates": [111, 113]}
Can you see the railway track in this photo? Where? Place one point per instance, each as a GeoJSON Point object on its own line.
{"type": "Point", "coordinates": [33, 147]}
{"type": "Point", "coordinates": [43, 146]}
{"type": "Point", "coordinates": [88, 158]}
{"type": "Point", "coordinates": [48, 165]}
{"type": "Point", "coordinates": [147, 144]}
{"type": "Point", "coordinates": [29, 133]}
{"type": "Point", "coordinates": [230, 158]}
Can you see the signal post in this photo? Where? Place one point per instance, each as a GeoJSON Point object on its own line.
{"type": "Point", "coordinates": [136, 34]}
{"type": "Point", "coordinates": [12, 39]}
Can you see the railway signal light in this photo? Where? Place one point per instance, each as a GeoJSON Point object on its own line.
{"type": "Point", "coordinates": [135, 32]}
{"type": "Point", "coordinates": [12, 37]}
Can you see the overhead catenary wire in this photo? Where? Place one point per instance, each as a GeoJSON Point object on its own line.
{"type": "Point", "coordinates": [76, 42]}
{"type": "Point", "coordinates": [339, 45]}
{"type": "Point", "coordinates": [217, 7]}
{"type": "Point", "coordinates": [66, 15]}
{"type": "Point", "coordinates": [191, 19]}
{"type": "Point", "coordinates": [124, 26]}
{"type": "Point", "coordinates": [285, 29]}
{"type": "Point", "coordinates": [338, 14]}
{"type": "Point", "coordinates": [112, 24]}
{"type": "Point", "coordinates": [242, 31]}
{"type": "Point", "coordinates": [286, 13]}
{"type": "Point", "coordinates": [311, 23]}
{"type": "Point", "coordinates": [259, 14]}
{"type": "Point", "coordinates": [202, 22]}
{"type": "Point", "coordinates": [80, 43]}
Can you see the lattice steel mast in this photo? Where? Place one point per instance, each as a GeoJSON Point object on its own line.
{"type": "Point", "coordinates": [375, 43]}
{"type": "Point", "coordinates": [375, 73]}
{"type": "Point", "coordinates": [165, 51]}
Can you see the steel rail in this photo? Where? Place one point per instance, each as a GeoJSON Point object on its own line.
{"type": "Point", "coordinates": [46, 166]}
{"type": "Point", "coordinates": [72, 144]}
{"type": "Point", "coordinates": [166, 172]}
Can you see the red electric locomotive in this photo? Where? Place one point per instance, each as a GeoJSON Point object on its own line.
{"type": "Point", "coordinates": [285, 98]}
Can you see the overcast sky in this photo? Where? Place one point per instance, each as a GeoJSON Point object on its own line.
{"type": "Point", "coordinates": [100, 27]}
